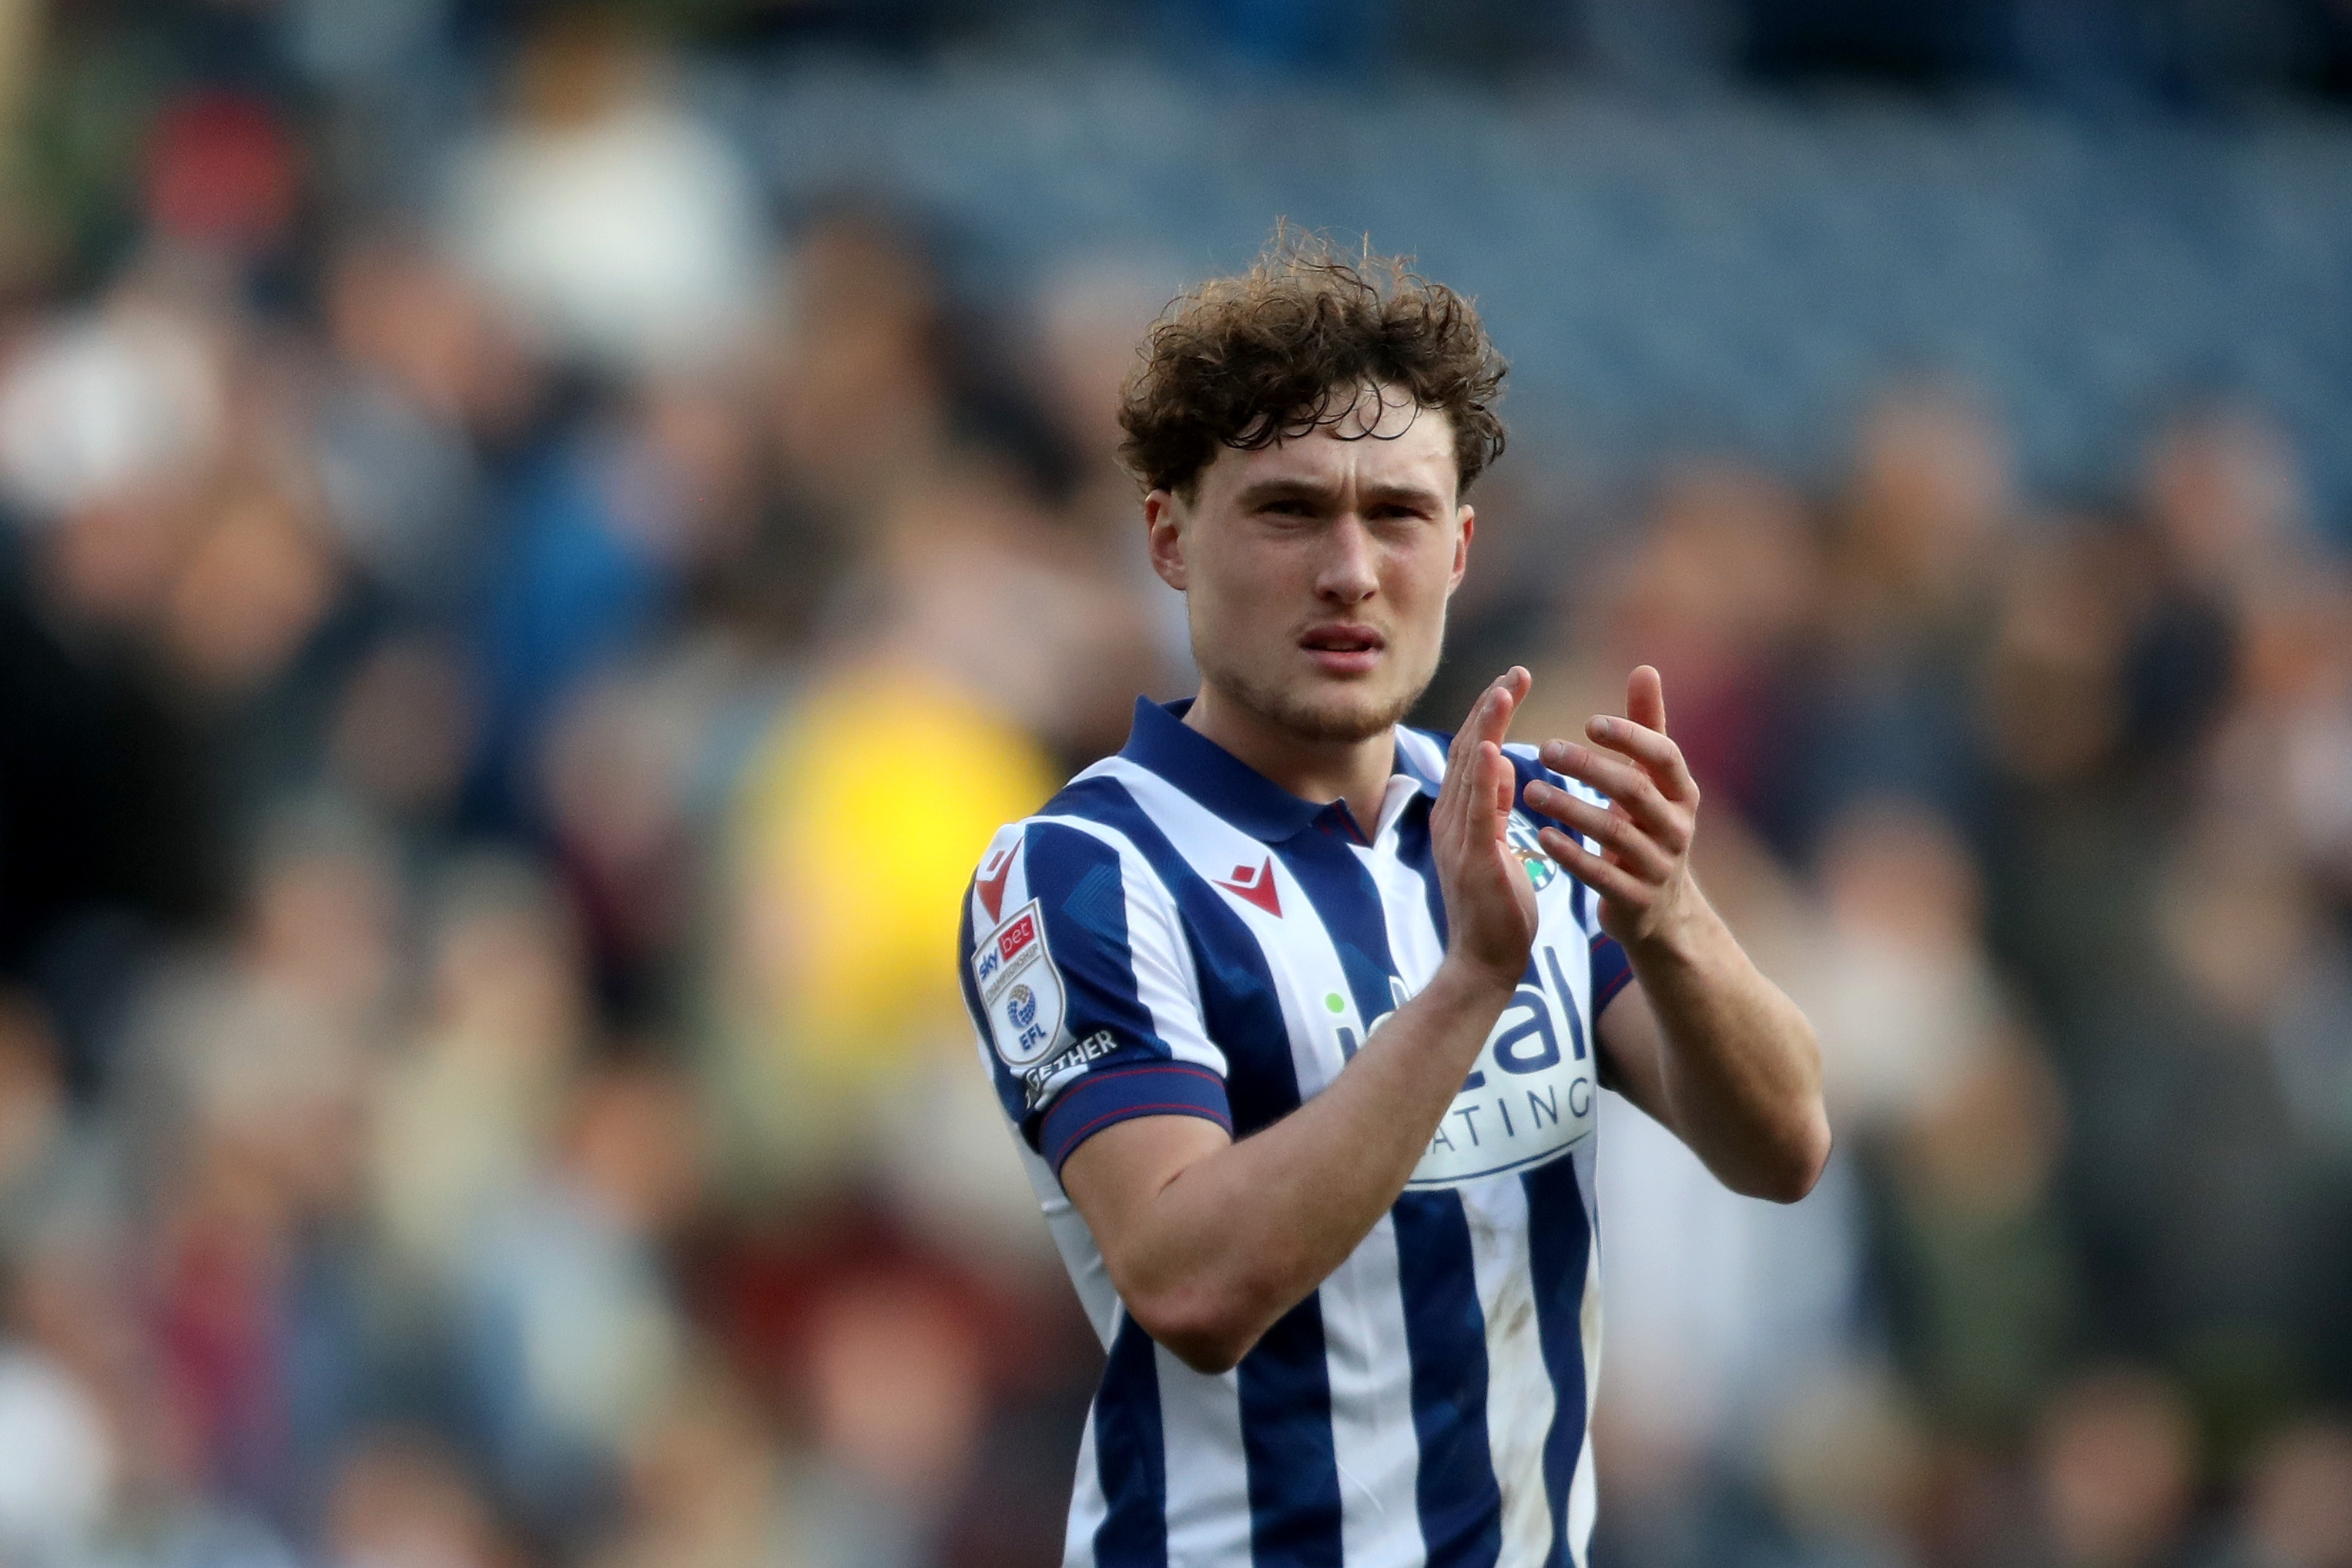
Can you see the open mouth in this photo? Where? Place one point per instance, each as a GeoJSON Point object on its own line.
{"type": "Point", "coordinates": [1344, 649]}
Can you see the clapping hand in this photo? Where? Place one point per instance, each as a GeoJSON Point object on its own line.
{"type": "Point", "coordinates": [1490, 905]}
{"type": "Point", "coordinates": [1643, 870]}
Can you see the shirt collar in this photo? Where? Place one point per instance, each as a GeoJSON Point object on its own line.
{"type": "Point", "coordinates": [1161, 741]}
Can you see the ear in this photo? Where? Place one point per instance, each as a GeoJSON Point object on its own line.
{"type": "Point", "coordinates": [1461, 546]}
{"type": "Point", "coordinates": [1164, 516]}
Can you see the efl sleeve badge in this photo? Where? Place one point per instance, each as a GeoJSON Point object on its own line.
{"type": "Point", "coordinates": [1021, 990]}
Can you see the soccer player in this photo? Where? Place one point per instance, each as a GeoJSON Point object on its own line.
{"type": "Point", "coordinates": [1299, 1012]}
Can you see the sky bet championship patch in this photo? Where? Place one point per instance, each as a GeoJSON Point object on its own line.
{"type": "Point", "coordinates": [1020, 989]}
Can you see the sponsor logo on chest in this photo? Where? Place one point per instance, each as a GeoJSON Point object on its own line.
{"type": "Point", "coordinates": [1529, 1098]}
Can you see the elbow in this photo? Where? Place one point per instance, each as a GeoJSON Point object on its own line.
{"type": "Point", "coordinates": [1797, 1162]}
{"type": "Point", "coordinates": [1208, 1326]}
{"type": "Point", "coordinates": [1211, 1354]}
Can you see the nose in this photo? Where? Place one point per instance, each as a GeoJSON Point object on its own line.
{"type": "Point", "coordinates": [1346, 575]}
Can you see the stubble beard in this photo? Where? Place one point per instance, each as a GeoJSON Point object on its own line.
{"type": "Point", "coordinates": [1325, 723]}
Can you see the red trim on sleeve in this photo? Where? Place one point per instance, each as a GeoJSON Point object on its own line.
{"type": "Point", "coordinates": [1103, 1100]}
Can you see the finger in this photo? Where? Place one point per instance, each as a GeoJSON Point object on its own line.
{"type": "Point", "coordinates": [1463, 737]}
{"type": "Point", "coordinates": [1635, 850]}
{"type": "Point", "coordinates": [1658, 754]}
{"type": "Point", "coordinates": [1613, 883]}
{"type": "Point", "coordinates": [1499, 779]}
{"type": "Point", "coordinates": [1461, 756]}
{"type": "Point", "coordinates": [1645, 698]}
{"type": "Point", "coordinates": [1516, 683]}
{"type": "Point", "coordinates": [1623, 781]}
{"type": "Point", "coordinates": [1490, 715]}
{"type": "Point", "coordinates": [1494, 719]}
{"type": "Point", "coordinates": [1619, 839]}
{"type": "Point", "coordinates": [1488, 721]}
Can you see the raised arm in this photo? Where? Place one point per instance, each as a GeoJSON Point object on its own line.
{"type": "Point", "coordinates": [1210, 1241]}
{"type": "Point", "coordinates": [1703, 1041]}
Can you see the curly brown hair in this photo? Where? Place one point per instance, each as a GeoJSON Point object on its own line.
{"type": "Point", "coordinates": [1292, 345]}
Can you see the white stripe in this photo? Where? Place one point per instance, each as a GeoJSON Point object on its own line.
{"type": "Point", "coordinates": [1372, 1437]}
{"type": "Point", "coordinates": [1584, 1491]}
{"type": "Point", "coordinates": [1089, 1507]}
{"type": "Point", "coordinates": [1428, 756]}
{"type": "Point", "coordinates": [1072, 1238]}
{"type": "Point", "coordinates": [1587, 1177]}
{"type": "Point", "coordinates": [1519, 1396]}
{"type": "Point", "coordinates": [1413, 947]}
{"type": "Point", "coordinates": [1208, 1470]}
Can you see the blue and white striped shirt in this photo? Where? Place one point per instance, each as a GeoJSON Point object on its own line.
{"type": "Point", "coordinates": [1174, 935]}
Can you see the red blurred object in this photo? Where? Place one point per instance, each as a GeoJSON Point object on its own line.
{"type": "Point", "coordinates": [760, 1295]}
{"type": "Point", "coordinates": [221, 170]}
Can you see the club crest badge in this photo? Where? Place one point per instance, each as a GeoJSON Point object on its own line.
{"type": "Point", "coordinates": [1021, 990]}
{"type": "Point", "coordinates": [1540, 866]}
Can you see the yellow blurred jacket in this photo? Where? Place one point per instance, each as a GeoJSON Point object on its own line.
{"type": "Point", "coordinates": [862, 816]}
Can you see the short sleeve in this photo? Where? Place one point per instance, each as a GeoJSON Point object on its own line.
{"type": "Point", "coordinates": [1612, 970]}
{"type": "Point", "coordinates": [1082, 988]}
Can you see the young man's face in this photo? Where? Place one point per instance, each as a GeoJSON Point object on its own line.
{"type": "Point", "coordinates": [1317, 571]}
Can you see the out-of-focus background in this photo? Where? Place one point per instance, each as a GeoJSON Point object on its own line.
{"type": "Point", "coordinates": [540, 540]}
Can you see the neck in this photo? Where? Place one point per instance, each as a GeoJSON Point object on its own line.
{"type": "Point", "coordinates": [1356, 772]}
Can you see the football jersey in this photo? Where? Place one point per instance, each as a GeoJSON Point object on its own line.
{"type": "Point", "coordinates": [1175, 934]}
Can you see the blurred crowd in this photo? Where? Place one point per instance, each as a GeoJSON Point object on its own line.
{"type": "Point", "coordinates": [2041, 812]}
{"type": "Point", "coordinates": [506, 671]}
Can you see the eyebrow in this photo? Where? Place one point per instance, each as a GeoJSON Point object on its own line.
{"type": "Point", "coordinates": [1266, 490]}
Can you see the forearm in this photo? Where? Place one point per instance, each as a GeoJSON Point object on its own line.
{"type": "Point", "coordinates": [1238, 1235]}
{"type": "Point", "coordinates": [1734, 1068]}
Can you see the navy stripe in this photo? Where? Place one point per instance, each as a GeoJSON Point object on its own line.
{"type": "Point", "coordinates": [1285, 1386]}
{"type": "Point", "coordinates": [1446, 1338]}
{"type": "Point", "coordinates": [1568, 1006]}
{"type": "Point", "coordinates": [1074, 878]}
{"type": "Point", "coordinates": [1461, 1506]}
{"type": "Point", "coordinates": [1130, 1461]}
{"type": "Point", "coordinates": [1559, 1242]}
